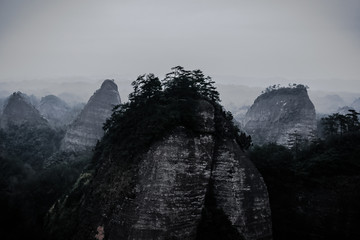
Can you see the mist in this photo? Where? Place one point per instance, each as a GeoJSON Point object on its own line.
{"type": "Point", "coordinates": [252, 43]}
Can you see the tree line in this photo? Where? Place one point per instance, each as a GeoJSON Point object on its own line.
{"type": "Point", "coordinates": [339, 124]}
{"type": "Point", "coordinates": [156, 106]}
{"type": "Point", "coordinates": [278, 86]}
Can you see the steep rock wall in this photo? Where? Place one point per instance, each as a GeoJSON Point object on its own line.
{"type": "Point", "coordinates": [241, 192]}
{"type": "Point", "coordinates": [86, 130]}
{"type": "Point", "coordinates": [162, 193]}
{"type": "Point", "coordinates": [281, 116]}
{"type": "Point", "coordinates": [171, 186]}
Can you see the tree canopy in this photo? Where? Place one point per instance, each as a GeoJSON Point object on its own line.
{"type": "Point", "coordinates": [339, 124]}
{"type": "Point", "coordinates": [157, 106]}
{"type": "Point", "coordinates": [290, 86]}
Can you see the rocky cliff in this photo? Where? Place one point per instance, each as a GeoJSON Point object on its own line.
{"type": "Point", "coordinates": [283, 116]}
{"type": "Point", "coordinates": [193, 181]}
{"type": "Point", "coordinates": [87, 129]}
{"type": "Point", "coordinates": [18, 110]}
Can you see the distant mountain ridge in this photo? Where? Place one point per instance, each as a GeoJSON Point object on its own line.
{"type": "Point", "coordinates": [55, 110]}
{"type": "Point", "coordinates": [18, 110]}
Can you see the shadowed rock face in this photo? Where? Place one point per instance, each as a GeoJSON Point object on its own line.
{"type": "Point", "coordinates": [18, 110]}
{"type": "Point", "coordinates": [162, 193]}
{"type": "Point", "coordinates": [240, 192]}
{"type": "Point", "coordinates": [280, 116]}
{"type": "Point", "coordinates": [170, 191]}
{"type": "Point", "coordinates": [86, 130]}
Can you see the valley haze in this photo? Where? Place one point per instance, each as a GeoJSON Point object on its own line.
{"type": "Point", "coordinates": [233, 93]}
{"type": "Point", "coordinates": [251, 43]}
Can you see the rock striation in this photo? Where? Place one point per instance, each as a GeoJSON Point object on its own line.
{"type": "Point", "coordinates": [283, 116]}
{"type": "Point", "coordinates": [18, 110]}
{"type": "Point", "coordinates": [87, 129]}
{"type": "Point", "coordinates": [167, 192]}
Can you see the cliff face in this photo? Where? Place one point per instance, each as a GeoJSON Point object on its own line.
{"type": "Point", "coordinates": [283, 116]}
{"type": "Point", "coordinates": [86, 130]}
{"type": "Point", "coordinates": [165, 193]}
{"type": "Point", "coordinates": [18, 110]}
{"type": "Point", "coordinates": [240, 192]}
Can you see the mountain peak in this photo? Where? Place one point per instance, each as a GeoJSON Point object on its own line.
{"type": "Point", "coordinates": [171, 161]}
{"type": "Point", "coordinates": [280, 114]}
{"type": "Point", "coordinates": [87, 129]}
{"type": "Point", "coordinates": [109, 84]}
{"type": "Point", "coordinates": [19, 110]}
{"type": "Point", "coordinates": [55, 110]}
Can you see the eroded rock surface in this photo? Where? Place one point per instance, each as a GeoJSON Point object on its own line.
{"type": "Point", "coordinates": [162, 194]}
{"type": "Point", "coordinates": [282, 116]}
{"type": "Point", "coordinates": [86, 130]}
{"type": "Point", "coordinates": [241, 192]}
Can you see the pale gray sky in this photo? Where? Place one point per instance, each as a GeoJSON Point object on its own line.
{"type": "Point", "coordinates": [250, 42]}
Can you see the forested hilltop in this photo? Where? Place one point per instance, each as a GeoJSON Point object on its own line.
{"type": "Point", "coordinates": [156, 107]}
{"type": "Point", "coordinates": [171, 165]}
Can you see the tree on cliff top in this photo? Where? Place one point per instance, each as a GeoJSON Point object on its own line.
{"type": "Point", "coordinates": [337, 123]}
{"type": "Point", "coordinates": [290, 86]}
{"type": "Point", "coordinates": [156, 107]}
{"type": "Point", "coordinates": [183, 83]}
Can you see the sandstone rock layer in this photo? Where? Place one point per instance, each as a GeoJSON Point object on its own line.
{"type": "Point", "coordinates": [282, 116]}
{"type": "Point", "coordinates": [163, 193]}
{"type": "Point", "coordinates": [86, 130]}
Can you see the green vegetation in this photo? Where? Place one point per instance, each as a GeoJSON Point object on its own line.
{"type": "Point", "coordinates": [339, 124]}
{"type": "Point", "coordinates": [278, 87]}
{"type": "Point", "coordinates": [27, 190]}
{"type": "Point", "coordinates": [29, 144]}
{"type": "Point", "coordinates": [156, 107]}
{"type": "Point", "coordinates": [314, 189]}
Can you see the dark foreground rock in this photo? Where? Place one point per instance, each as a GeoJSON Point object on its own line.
{"type": "Point", "coordinates": [185, 186]}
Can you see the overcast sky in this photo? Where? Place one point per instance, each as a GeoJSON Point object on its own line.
{"type": "Point", "coordinates": [252, 42]}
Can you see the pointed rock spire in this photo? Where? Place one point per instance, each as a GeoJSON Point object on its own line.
{"type": "Point", "coordinates": [87, 129]}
